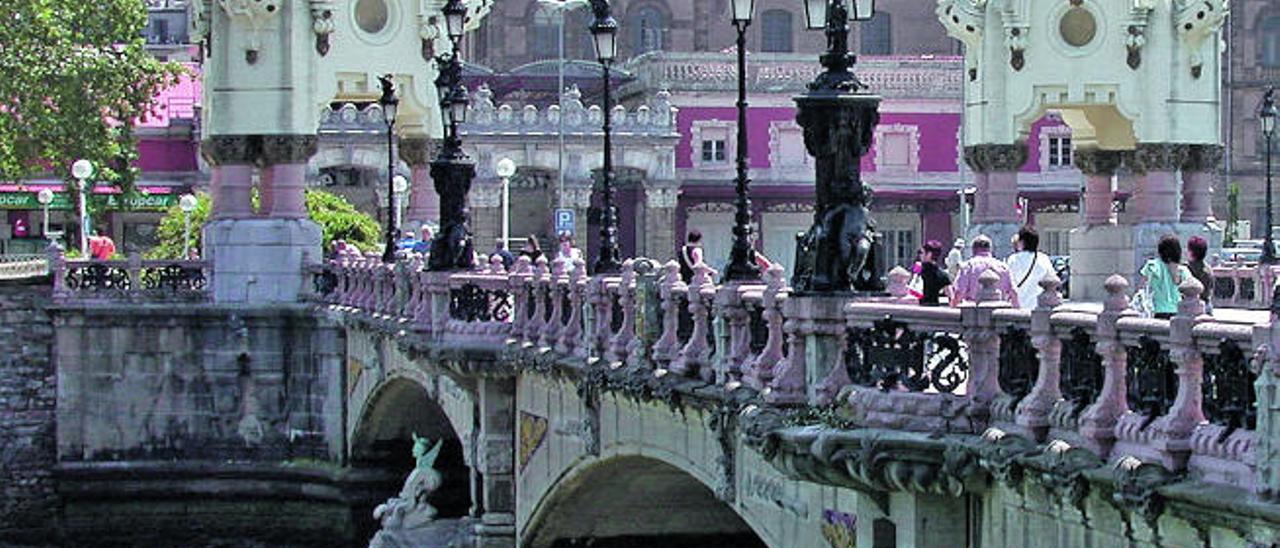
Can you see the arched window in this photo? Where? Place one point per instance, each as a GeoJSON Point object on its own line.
{"type": "Point", "coordinates": [876, 35]}
{"type": "Point", "coordinates": [775, 31]}
{"type": "Point", "coordinates": [544, 35]}
{"type": "Point", "coordinates": [648, 30]}
{"type": "Point", "coordinates": [1269, 42]}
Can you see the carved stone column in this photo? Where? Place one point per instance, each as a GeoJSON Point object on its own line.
{"type": "Point", "coordinates": [1266, 363]}
{"type": "Point", "coordinates": [495, 459]}
{"type": "Point", "coordinates": [1097, 423]}
{"type": "Point", "coordinates": [1157, 165]}
{"type": "Point", "coordinates": [660, 220]}
{"type": "Point", "coordinates": [1171, 433]}
{"type": "Point", "coordinates": [760, 370]}
{"type": "Point", "coordinates": [232, 158]}
{"type": "Point", "coordinates": [979, 333]}
{"type": "Point", "coordinates": [424, 203]}
{"type": "Point", "coordinates": [1198, 169]}
{"type": "Point", "coordinates": [1032, 416]}
{"type": "Point", "coordinates": [284, 175]}
{"type": "Point", "coordinates": [995, 211]}
{"type": "Point", "coordinates": [1099, 168]}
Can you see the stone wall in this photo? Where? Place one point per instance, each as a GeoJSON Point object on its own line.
{"type": "Point", "coordinates": [27, 384]}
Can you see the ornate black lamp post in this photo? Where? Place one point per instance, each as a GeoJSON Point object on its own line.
{"type": "Point", "coordinates": [841, 251]}
{"type": "Point", "coordinates": [389, 104]}
{"type": "Point", "coordinates": [605, 31]}
{"type": "Point", "coordinates": [452, 170]}
{"type": "Point", "coordinates": [1267, 119]}
{"type": "Point", "coordinates": [742, 258]}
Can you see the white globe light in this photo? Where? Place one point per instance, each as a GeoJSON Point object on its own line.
{"type": "Point", "coordinates": [82, 169]}
{"type": "Point", "coordinates": [506, 167]}
{"type": "Point", "coordinates": [400, 184]}
{"type": "Point", "coordinates": [45, 196]}
{"type": "Point", "coordinates": [187, 203]}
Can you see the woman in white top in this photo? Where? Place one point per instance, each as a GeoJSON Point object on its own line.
{"type": "Point", "coordinates": [567, 252]}
{"type": "Point", "coordinates": [1027, 266]}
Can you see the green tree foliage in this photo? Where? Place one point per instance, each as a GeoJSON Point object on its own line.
{"type": "Point", "coordinates": [72, 72]}
{"type": "Point", "coordinates": [338, 219]}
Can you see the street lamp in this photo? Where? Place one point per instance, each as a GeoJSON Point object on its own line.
{"type": "Point", "coordinates": [742, 257]}
{"type": "Point", "coordinates": [400, 185]}
{"type": "Point", "coordinates": [1267, 119]}
{"type": "Point", "coordinates": [82, 169]}
{"type": "Point", "coordinates": [604, 30]}
{"type": "Point", "coordinates": [841, 252]}
{"type": "Point", "coordinates": [452, 170]}
{"type": "Point", "coordinates": [187, 203]}
{"type": "Point", "coordinates": [389, 104]}
{"type": "Point", "coordinates": [561, 8]}
{"type": "Point", "coordinates": [506, 168]}
{"type": "Point", "coordinates": [45, 197]}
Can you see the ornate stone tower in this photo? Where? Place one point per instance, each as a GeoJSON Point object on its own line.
{"type": "Point", "coordinates": [271, 67]}
{"type": "Point", "coordinates": [1138, 82]}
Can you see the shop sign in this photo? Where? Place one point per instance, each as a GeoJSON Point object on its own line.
{"type": "Point", "coordinates": [114, 202]}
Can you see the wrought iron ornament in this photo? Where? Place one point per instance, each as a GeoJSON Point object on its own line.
{"type": "Point", "coordinates": [891, 356]}
{"type": "Point", "coordinates": [1082, 372]}
{"type": "Point", "coordinates": [1151, 378]}
{"type": "Point", "coordinates": [1229, 396]}
{"type": "Point", "coordinates": [1019, 363]}
{"type": "Point", "coordinates": [470, 303]}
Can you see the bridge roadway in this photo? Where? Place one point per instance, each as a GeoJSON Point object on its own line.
{"type": "Point", "coordinates": [640, 409]}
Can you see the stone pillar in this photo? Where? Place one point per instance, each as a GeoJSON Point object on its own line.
{"type": "Point", "coordinates": [1266, 338]}
{"type": "Point", "coordinates": [232, 158]}
{"type": "Point", "coordinates": [1099, 168]}
{"type": "Point", "coordinates": [1198, 168]}
{"type": "Point", "coordinates": [261, 260]}
{"type": "Point", "coordinates": [995, 212]}
{"type": "Point", "coordinates": [1156, 196]}
{"type": "Point", "coordinates": [660, 238]}
{"type": "Point", "coordinates": [922, 520]}
{"type": "Point", "coordinates": [485, 208]}
{"type": "Point", "coordinates": [284, 158]}
{"type": "Point", "coordinates": [424, 203]}
{"type": "Point", "coordinates": [495, 459]}
{"type": "Point", "coordinates": [1099, 246]}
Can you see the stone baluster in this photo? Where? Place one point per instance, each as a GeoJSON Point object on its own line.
{"type": "Point", "coordinates": [627, 299]}
{"type": "Point", "coordinates": [669, 289]}
{"type": "Point", "coordinates": [979, 332]}
{"type": "Point", "coordinates": [571, 333]}
{"type": "Point", "coordinates": [898, 292]}
{"type": "Point", "coordinates": [401, 301]}
{"type": "Point", "coordinates": [694, 359]}
{"type": "Point", "coordinates": [134, 268]}
{"type": "Point", "coordinates": [1171, 433]}
{"type": "Point", "coordinates": [1266, 361]}
{"type": "Point", "coordinates": [595, 296]}
{"type": "Point", "coordinates": [517, 283]}
{"type": "Point", "coordinates": [438, 288]}
{"type": "Point", "coordinates": [406, 275]}
{"type": "Point", "coordinates": [789, 384]}
{"type": "Point", "coordinates": [365, 294]}
{"type": "Point", "coordinates": [648, 309]}
{"type": "Point", "coordinates": [1097, 423]}
{"type": "Point", "coordinates": [602, 317]}
{"type": "Point", "coordinates": [556, 289]}
{"type": "Point", "coordinates": [1033, 411]}
{"type": "Point", "coordinates": [422, 310]}
{"type": "Point", "coordinates": [759, 371]}
{"type": "Point", "coordinates": [533, 329]}
{"type": "Point", "coordinates": [58, 269]}
{"type": "Point", "coordinates": [388, 302]}
{"type": "Point", "coordinates": [375, 295]}
{"type": "Point", "coordinates": [733, 339]}
{"type": "Point", "coordinates": [496, 266]}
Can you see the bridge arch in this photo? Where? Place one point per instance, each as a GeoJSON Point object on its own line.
{"type": "Point", "coordinates": [632, 499]}
{"type": "Point", "coordinates": [399, 407]}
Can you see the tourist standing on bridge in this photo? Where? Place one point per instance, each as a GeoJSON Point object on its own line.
{"type": "Point", "coordinates": [101, 247]}
{"type": "Point", "coordinates": [568, 253]}
{"type": "Point", "coordinates": [531, 249]}
{"type": "Point", "coordinates": [955, 258]}
{"type": "Point", "coordinates": [1197, 248]}
{"type": "Point", "coordinates": [690, 255]}
{"type": "Point", "coordinates": [1160, 277]}
{"type": "Point", "coordinates": [934, 280]}
{"type": "Point", "coordinates": [967, 287]}
{"type": "Point", "coordinates": [1028, 266]}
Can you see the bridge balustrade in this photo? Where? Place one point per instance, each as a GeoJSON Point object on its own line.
{"type": "Point", "coordinates": [1176, 391]}
{"type": "Point", "coordinates": [130, 280]}
{"type": "Point", "coordinates": [1243, 285]}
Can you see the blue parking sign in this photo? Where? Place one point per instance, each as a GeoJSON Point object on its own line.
{"type": "Point", "coordinates": [565, 221]}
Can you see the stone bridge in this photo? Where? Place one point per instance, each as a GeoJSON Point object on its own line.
{"type": "Point", "coordinates": [631, 409]}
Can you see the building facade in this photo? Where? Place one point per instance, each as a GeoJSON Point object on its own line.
{"type": "Point", "coordinates": [1252, 36]}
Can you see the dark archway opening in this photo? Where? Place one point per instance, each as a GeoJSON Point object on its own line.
{"type": "Point", "coordinates": [383, 447]}
{"type": "Point", "coordinates": [637, 501]}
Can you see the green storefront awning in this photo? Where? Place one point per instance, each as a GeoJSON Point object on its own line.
{"type": "Point", "coordinates": [111, 202]}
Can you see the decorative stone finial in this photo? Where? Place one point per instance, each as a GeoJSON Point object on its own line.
{"type": "Point", "coordinates": [988, 281]}
{"type": "Point", "coordinates": [1117, 298]}
{"type": "Point", "coordinates": [1050, 296]}
{"type": "Point", "coordinates": [898, 278]}
{"type": "Point", "coordinates": [1191, 304]}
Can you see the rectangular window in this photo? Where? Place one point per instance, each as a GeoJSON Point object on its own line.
{"type": "Point", "coordinates": [713, 150]}
{"type": "Point", "coordinates": [1059, 151]}
{"type": "Point", "coordinates": [901, 245]}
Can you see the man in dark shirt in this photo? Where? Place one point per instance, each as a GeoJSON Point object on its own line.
{"type": "Point", "coordinates": [935, 279]}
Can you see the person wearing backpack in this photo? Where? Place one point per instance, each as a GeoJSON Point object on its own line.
{"type": "Point", "coordinates": [1027, 266]}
